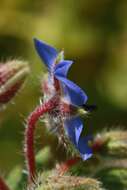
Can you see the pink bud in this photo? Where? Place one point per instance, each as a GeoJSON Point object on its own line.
{"type": "Point", "coordinates": [12, 76]}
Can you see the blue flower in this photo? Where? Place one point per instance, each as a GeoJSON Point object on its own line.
{"type": "Point", "coordinates": [73, 94]}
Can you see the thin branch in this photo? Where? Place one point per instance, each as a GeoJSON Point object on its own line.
{"type": "Point", "coordinates": [65, 166]}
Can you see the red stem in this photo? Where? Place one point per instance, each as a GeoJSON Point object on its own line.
{"type": "Point", "coordinates": [3, 186]}
{"type": "Point", "coordinates": [29, 136]}
{"type": "Point", "coordinates": [65, 166]}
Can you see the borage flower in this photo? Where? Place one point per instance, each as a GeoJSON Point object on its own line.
{"type": "Point", "coordinates": [63, 104]}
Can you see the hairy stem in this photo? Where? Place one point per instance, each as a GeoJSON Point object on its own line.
{"type": "Point", "coordinates": [29, 136]}
{"type": "Point", "coordinates": [3, 186]}
{"type": "Point", "coordinates": [65, 166]}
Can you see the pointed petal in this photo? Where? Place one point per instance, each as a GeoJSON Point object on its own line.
{"type": "Point", "coordinates": [47, 53]}
{"type": "Point", "coordinates": [83, 147]}
{"type": "Point", "coordinates": [61, 69]}
{"type": "Point", "coordinates": [74, 128]}
{"type": "Point", "coordinates": [72, 92]}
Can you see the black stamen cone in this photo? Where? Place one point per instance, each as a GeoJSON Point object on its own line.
{"type": "Point", "coordinates": [89, 108]}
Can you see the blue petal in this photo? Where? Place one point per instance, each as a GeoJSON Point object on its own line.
{"type": "Point", "coordinates": [61, 69]}
{"type": "Point", "coordinates": [47, 53]}
{"type": "Point", "coordinates": [83, 147]}
{"type": "Point", "coordinates": [74, 128]}
{"type": "Point", "coordinates": [72, 92]}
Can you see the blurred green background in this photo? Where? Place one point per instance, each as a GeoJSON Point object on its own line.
{"type": "Point", "coordinates": [93, 34]}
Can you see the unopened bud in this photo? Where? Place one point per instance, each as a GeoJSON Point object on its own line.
{"type": "Point", "coordinates": [12, 76]}
{"type": "Point", "coordinates": [69, 183]}
{"type": "Point", "coordinates": [113, 143]}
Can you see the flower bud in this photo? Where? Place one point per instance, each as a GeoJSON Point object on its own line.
{"type": "Point", "coordinates": [68, 183]}
{"type": "Point", "coordinates": [112, 143]}
{"type": "Point", "coordinates": [12, 76]}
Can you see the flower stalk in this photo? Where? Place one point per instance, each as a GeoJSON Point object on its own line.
{"type": "Point", "coordinates": [29, 136]}
{"type": "Point", "coordinates": [65, 166]}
